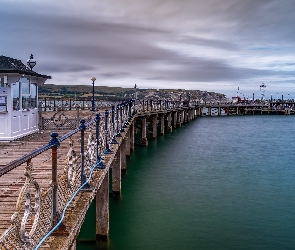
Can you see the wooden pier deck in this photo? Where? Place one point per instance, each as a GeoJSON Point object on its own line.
{"type": "Point", "coordinates": [11, 185]}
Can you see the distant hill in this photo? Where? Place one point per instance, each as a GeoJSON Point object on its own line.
{"type": "Point", "coordinates": [118, 93]}
{"type": "Point", "coordinates": [51, 90]}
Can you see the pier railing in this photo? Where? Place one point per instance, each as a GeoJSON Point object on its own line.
{"type": "Point", "coordinates": [47, 191]}
{"type": "Point", "coordinates": [39, 209]}
{"type": "Point", "coordinates": [53, 104]}
{"type": "Point", "coordinates": [57, 118]}
{"type": "Point", "coordinates": [43, 199]}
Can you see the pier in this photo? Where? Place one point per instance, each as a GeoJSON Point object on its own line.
{"type": "Point", "coordinates": [278, 107]}
{"type": "Point", "coordinates": [49, 178]}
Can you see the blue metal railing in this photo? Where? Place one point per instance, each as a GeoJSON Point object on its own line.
{"type": "Point", "coordinates": [97, 165]}
{"type": "Point", "coordinates": [114, 124]}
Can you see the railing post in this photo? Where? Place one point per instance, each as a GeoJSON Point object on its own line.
{"type": "Point", "coordinates": [40, 120]}
{"type": "Point", "coordinates": [126, 104]}
{"type": "Point", "coordinates": [98, 158]}
{"type": "Point", "coordinates": [82, 127]}
{"type": "Point", "coordinates": [55, 213]}
{"type": "Point", "coordinates": [54, 141]}
{"type": "Point", "coordinates": [130, 108]}
{"type": "Point", "coordinates": [83, 177]}
{"type": "Point", "coordinates": [134, 108]}
{"type": "Point", "coordinates": [121, 114]}
{"type": "Point", "coordinates": [107, 150]}
{"type": "Point", "coordinates": [97, 119]}
{"type": "Point", "coordinates": [143, 105]}
{"type": "Point", "coordinates": [45, 104]}
{"type": "Point", "coordinates": [117, 117]}
{"type": "Point", "coordinates": [114, 141]}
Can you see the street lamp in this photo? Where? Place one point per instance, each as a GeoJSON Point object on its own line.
{"type": "Point", "coordinates": [31, 62]}
{"type": "Point", "coordinates": [93, 80]}
{"type": "Point", "coordinates": [135, 94]}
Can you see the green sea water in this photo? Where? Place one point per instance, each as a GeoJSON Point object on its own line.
{"type": "Point", "coordinates": [215, 183]}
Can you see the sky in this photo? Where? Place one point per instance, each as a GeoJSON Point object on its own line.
{"type": "Point", "coordinates": [224, 46]}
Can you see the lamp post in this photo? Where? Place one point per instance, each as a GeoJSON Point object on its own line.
{"type": "Point", "coordinates": [135, 94]}
{"type": "Point", "coordinates": [93, 80]}
{"type": "Point", "coordinates": [31, 62]}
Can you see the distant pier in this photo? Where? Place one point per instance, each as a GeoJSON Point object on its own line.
{"type": "Point", "coordinates": [252, 108]}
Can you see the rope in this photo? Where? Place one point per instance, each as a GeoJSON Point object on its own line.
{"type": "Point", "coordinates": [67, 205]}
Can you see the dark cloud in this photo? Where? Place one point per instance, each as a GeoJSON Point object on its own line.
{"type": "Point", "coordinates": [156, 42]}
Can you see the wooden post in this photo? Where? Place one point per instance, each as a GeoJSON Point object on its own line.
{"type": "Point", "coordinates": [175, 121]}
{"type": "Point", "coordinates": [40, 120]}
{"type": "Point", "coordinates": [116, 174]}
{"type": "Point", "coordinates": [61, 230]}
{"type": "Point", "coordinates": [190, 115]}
{"type": "Point", "coordinates": [162, 117]}
{"type": "Point", "coordinates": [155, 118]}
{"type": "Point", "coordinates": [182, 116]}
{"type": "Point", "coordinates": [169, 127]}
{"type": "Point", "coordinates": [143, 140]}
{"type": "Point", "coordinates": [78, 115]}
{"type": "Point", "coordinates": [55, 214]}
{"type": "Point", "coordinates": [127, 138]}
{"type": "Point", "coordinates": [123, 154]}
{"type": "Point", "coordinates": [102, 210]}
{"type": "Point", "coordinates": [54, 185]}
{"type": "Point", "coordinates": [179, 118]}
{"type": "Point", "coordinates": [132, 136]}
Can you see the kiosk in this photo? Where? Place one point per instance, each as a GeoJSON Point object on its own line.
{"type": "Point", "coordinates": [18, 98]}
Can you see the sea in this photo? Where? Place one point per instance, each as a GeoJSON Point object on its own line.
{"type": "Point", "coordinates": [224, 182]}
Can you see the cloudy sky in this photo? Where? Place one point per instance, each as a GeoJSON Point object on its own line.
{"type": "Point", "coordinates": [213, 45]}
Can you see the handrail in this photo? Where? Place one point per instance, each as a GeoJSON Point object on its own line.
{"type": "Point", "coordinates": [78, 165]}
{"type": "Point", "coordinates": [68, 203]}
{"type": "Point", "coordinates": [12, 165]}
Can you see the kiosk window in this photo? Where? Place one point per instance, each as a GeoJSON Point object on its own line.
{"type": "Point", "coordinates": [26, 99]}
{"type": "Point", "coordinates": [16, 96]}
{"type": "Point", "coordinates": [33, 96]}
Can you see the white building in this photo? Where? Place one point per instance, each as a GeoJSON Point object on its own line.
{"type": "Point", "coordinates": [18, 98]}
